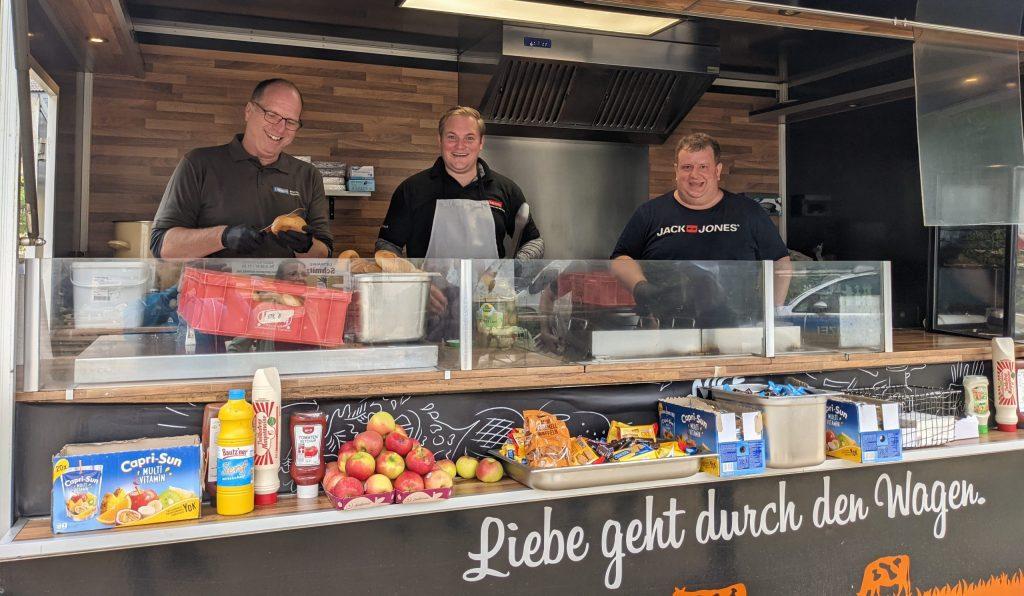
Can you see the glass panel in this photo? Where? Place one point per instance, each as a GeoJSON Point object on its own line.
{"type": "Point", "coordinates": [970, 142]}
{"type": "Point", "coordinates": [1018, 289]}
{"type": "Point", "coordinates": [544, 313]}
{"type": "Point", "coordinates": [121, 321]}
{"type": "Point", "coordinates": [117, 321]}
{"type": "Point", "coordinates": [830, 305]}
{"type": "Point", "coordinates": [970, 275]}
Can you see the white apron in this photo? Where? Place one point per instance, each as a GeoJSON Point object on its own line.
{"type": "Point", "coordinates": [462, 229]}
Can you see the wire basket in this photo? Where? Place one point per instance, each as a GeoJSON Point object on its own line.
{"type": "Point", "coordinates": [927, 415]}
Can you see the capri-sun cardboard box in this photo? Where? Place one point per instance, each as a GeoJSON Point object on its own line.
{"type": "Point", "coordinates": [98, 486]}
{"type": "Point", "coordinates": [731, 431]}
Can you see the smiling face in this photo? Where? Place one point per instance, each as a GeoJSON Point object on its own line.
{"type": "Point", "coordinates": [460, 144]}
{"type": "Point", "coordinates": [263, 139]}
{"type": "Point", "coordinates": [697, 177]}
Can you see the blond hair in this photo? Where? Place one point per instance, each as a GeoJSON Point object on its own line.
{"type": "Point", "coordinates": [461, 111]}
{"type": "Point", "coordinates": [698, 141]}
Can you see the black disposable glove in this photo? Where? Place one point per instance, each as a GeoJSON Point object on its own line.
{"type": "Point", "coordinates": [242, 239]}
{"type": "Point", "coordinates": [298, 242]}
{"type": "Point", "coordinates": [647, 294]}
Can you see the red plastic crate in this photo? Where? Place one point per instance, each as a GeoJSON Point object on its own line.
{"type": "Point", "coordinates": [599, 288]}
{"type": "Point", "coordinates": [222, 304]}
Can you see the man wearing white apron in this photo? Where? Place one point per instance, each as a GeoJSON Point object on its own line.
{"type": "Point", "coordinates": [459, 208]}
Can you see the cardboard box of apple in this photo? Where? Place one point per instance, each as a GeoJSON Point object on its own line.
{"type": "Point", "coordinates": [384, 465]}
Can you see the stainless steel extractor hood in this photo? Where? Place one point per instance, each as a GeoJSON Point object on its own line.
{"type": "Point", "coordinates": [561, 84]}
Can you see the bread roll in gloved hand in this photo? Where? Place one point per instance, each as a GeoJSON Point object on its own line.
{"type": "Point", "coordinates": [287, 223]}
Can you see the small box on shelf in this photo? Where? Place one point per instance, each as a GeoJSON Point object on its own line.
{"type": "Point", "coordinates": [361, 185]}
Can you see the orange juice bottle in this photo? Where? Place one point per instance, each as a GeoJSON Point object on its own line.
{"type": "Point", "coordinates": [236, 447]}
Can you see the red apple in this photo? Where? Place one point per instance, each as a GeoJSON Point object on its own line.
{"type": "Point", "coordinates": [399, 443]}
{"type": "Point", "coordinates": [419, 460]}
{"type": "Point", "coordinates": [347, 486]}
{"type": "Point", "coordinates": [489, 470]}
{"type": "Point", "coordinates": [331, 481]}
{"type": "Point", "coordinates": [361, 465]}
{"type": "Point", "coordinates": [347, 447]}
{"type": "Point", "coordinates": [408, 482]}
{"type": "Point", "coordinates": [382, 423]}
{"type": "Point", "coordinates": [400, 430]}
{"type": "Point", "coordinates": [369, 441]}
{"type": "Point", "coordinates": [445, 464]}
{"type": "Point", "coordinates": [390, 464]}
{"type": "Point", "coordinates": [378, 484]}
{"type": "Point", "coordinates": [437, 479]}
{"type": "Point", "coordinates": [331, 471]}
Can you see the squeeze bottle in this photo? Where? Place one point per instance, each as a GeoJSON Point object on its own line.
{"type": "Point", "coordinates": [235, 449]}
{"type": "Point", "coordinates": [976, 400]}
{"type": "Point", "coordinates": [1004, 382]}
{"type": "Point", "coordinates": [266, 401]}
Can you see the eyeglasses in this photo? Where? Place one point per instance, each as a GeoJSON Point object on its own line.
{"type": "Point", "coordinates": [274, 118]}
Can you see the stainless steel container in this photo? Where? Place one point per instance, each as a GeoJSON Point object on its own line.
{"type": "Point", "coordinates": [601, 474]}
{"type": "Point", "coordinates": [392, 306]}
{"type": "Point", "coordinates": [794, 426]}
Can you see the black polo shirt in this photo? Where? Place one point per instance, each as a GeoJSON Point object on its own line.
{"type": "Point", "coordinates": [410, 216]}
{"type": "Point", "coordinates": [735, 229]}
{"type": "Point", "coordinates": [224, 185]}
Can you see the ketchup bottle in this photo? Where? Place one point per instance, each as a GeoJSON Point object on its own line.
{"type": "Point", "coordinates": [307, 469]}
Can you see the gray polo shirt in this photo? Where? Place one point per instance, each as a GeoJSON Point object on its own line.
{"type": "Point", "coordinates": [224, 185]}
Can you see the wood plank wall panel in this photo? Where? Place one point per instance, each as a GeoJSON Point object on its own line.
{"type": "Point", "coordinates": [750, 152]}
{"type": "Point", "coordinates": [358, 113]}
{"type": "Point", "coordinates": [382, 116]}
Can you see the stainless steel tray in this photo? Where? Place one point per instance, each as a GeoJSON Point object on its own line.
{"type": "Point", "coordinates": [602, 474]}
{"type": "Point", "coordinates": [153, 357]}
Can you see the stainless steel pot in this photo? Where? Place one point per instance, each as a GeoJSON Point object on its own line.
{"type": "Point", "coordinates": [392, 306]}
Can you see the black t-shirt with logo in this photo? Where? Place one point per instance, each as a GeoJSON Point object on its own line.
{"type": "Point", "coordinates": [735, 229]}
{"type": "Point", "coordinates": [410, 216]}
{"type": "Point", "coordinates": [224, 185]}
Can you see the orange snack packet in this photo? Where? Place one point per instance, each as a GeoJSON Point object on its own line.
{"type": "Point", "coordinates": [547, 440]}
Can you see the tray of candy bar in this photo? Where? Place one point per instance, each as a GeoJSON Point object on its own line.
{"type": "Point", "coordinates": [543, 455]}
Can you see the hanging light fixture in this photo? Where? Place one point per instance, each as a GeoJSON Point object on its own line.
{"type": "Point", "coordinates": [549, 14]}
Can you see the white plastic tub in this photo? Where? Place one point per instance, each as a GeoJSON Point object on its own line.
{"type": "Point", "coordinates": [109, 293]}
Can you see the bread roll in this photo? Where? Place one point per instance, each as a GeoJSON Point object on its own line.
{"type": "Point", "coordinates": [287, 223]}
{"type": "Point", "coordinates": [364, 266]}
{"type": "Point", "coordinates": [348, 254]}
{"type": "Point", "coordinates": [389, 262]}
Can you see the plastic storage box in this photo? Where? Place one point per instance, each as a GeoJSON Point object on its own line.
{"type": "Point", "coordinates": [595, 289]}
{"type": "Point", "coordinates": [227, 304]}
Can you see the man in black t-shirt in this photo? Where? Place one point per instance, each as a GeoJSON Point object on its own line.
{"type": "Point", "coordinates": [696, 221]}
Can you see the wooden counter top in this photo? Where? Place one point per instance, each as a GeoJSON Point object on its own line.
{"type": "Point", "coordinates": [911, 347]}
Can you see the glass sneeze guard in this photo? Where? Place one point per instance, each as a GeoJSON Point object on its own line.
{"type": "Point", "coordinates": [110, 321]}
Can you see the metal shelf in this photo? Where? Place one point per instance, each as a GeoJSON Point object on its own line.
{"type": "Point", "coordinates": [339, 191]}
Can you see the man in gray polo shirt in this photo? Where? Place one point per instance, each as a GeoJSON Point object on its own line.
{"type": "Point", "coordinates": [220, 200]}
